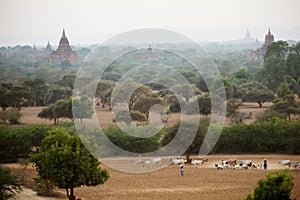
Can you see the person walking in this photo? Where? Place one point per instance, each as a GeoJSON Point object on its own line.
{"type": "Point", "coordinates": [181, 169]}
{"type": "Point", "coordinates": [265, 164]}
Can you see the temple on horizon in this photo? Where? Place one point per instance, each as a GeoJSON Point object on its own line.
{"type": "Point", "coordinates": [248, 38]}
{"type": "Point", "coordinates": [260, 52]}
{"type": "Point", "coordinates": [63, 52]}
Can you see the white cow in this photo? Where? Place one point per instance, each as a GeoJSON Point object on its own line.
{"type": "Point", "coordinates": [285, 162]}
{"type": "Point", "coordinates": [177, 161]}
{"type": "Point", "coordinates": [156, 161]}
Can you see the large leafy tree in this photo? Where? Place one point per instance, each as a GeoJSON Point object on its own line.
{"type": "Point", "coordinates": [65, 162]}
{"type": "Point", "coordinates": [38, 89]}
{"type": "Point", "coordinates": [60, 109]}
{"type": "Point", "coordinates": [275, 64]}
{"type": "Point", "coordinates": [104, 91]}
{"type": "Point", "coordinates": [14, 96]}
{"type": "Point", "coordinates": [277, 185]}
{"type": "Point", "coordinates": [4, 92]}
{"type": "Point", "coordinates": [293, 61]}
{"type": "Point", "coordinates": [82, 108]}
{"type": "Point", "coordinates": [255, 92]}
{"type": "Point", "coordinates": [56, 93]}
{"type": "Point", "coordinates": [144, 104]}
{"type": "Point", "coordinates": [67, 81]}
{"type": "Point", "coordinates": [283, 90]}
{"type": "Point", "coordinates": [120, 93]}
{"type": "Point", "coordinates": [186, 126]}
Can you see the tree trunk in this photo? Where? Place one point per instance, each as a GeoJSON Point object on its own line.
{"type": "Point", "coordinates": [188, 155]}
{"type": "Point", "coordinates": [260, 104]}
{"type": "Point", "coordinates": [70, 194]}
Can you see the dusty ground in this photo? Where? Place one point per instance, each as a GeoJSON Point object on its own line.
{"type": "Point", "coordinates": [104, 115]}
{"type": "Point", "coordinates": [198, 182]}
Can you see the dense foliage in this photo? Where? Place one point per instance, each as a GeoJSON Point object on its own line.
{"type": "Point", "coordinates": [277, 185]}
{"type": "Point", "coordinates": [64, 161]}
{"type": "Point", "coordinates": [272, 136]}
{"type": "Point", "coordinates": [132, 143]}
{"type": "Point", "coordinates": [19, 142]}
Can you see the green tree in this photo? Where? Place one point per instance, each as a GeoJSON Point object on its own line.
{"type": "Point", "coordinates": [8, 184]}
{"type": "Point", "coordinates": [82, 108]}
{"type": "Point", "coordinates": [60, 109]}
{"type": "Point", "coordinates": [38, 89]}
{"type": "Point", "coordinates": [19, 96]}
{"type": "Point", "coordinates": [67, 81]}
{"type": "Point", "coordinates": [186, 91]}
{"type": "Point", "coordinates": [255, 92]}
{"type": "Point", "coordinates": [104, 91]}
{"type": "Point", "coordinates": [144, 104]}
{"type": "Point", "coordinates": [120, 93]}
{"type": "Point", "coordinates": [186, 126]}
{"type": "Point", "coordinates": [275, 64]}
{"type": "Point", "coordinates": [122, 116]}
{"type": "Point", "coordinates": [205, 105]}
{"type": "Point", "coordinates": [4, 98]}
{"type": "Point", "coordinates": [65, 162]}
{"type": "Point", "coordinates": [283, 90]}
{"type": "Point", "coordinates": [286, 108]}
{"type": "Point", "coordinates": [241, 76]}
{"type": "Point", "coordinates": [293, 61]}
{"type": "Point", "coordinates": [57, 93]}
{"type": "Point", "coordinates": [277, 185]}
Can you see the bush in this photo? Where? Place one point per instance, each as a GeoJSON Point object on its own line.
{"type": "Point", "coordinates": [273, 136]}
{"type": "Point", "coordinates": [132, 143]}
{"type": "Point", "coordinates": [8, 184]}
{"type": "Point", "coordinates": [18, 142]}
{"type": "Point", "coordinates": [12, 115]}
{"type": "Point", "coordinates": [277, 185]}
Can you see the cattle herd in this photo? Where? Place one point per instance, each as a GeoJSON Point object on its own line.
{"type": "Point", "coordinates": [290, 164]}
{"type": "Point", "coordinates": [224, 164]}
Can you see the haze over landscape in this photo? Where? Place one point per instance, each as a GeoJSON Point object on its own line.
{"type": "Point", "coordinates": [88, 22]}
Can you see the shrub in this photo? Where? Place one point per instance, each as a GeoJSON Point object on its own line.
{"type": "Point", "coordinates": [8, 184]}
{"type": "Point", "coordinates": [277, 185]}
{"type": "Point", "coordinates": [12, 115]}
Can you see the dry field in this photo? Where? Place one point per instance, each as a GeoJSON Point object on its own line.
{"type": "Point", "coordinates": [198, 182]}
{"type": "Point", "coordinates": [104, 115]}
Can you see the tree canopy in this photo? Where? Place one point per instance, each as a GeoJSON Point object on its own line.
{"type": "Point", "coordinates": [65, 162]}
{"type": "Point", "coordinates": [255, 92]}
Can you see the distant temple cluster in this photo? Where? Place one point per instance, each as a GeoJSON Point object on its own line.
{"type": "Point", "coordinates": [260, 52]}
{"type": "Point", "coordinates": [62, 53]}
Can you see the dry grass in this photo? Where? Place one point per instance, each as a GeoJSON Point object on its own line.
{"type": "Point", "coordinates": [104, 115]}
{"type": "Point", "coordinates": [198, 182]}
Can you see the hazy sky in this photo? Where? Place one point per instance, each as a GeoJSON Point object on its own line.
{"type": "Point", "coordinates": [94, 21]}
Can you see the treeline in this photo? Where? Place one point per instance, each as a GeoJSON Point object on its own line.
{"type": "Point", "coordinates": [19, 142]}
{"type": "Point", "coordinates": [272, 136]}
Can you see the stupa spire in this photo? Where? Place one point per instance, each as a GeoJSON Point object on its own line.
{"type": "Point", "coordinates": [63, 34]}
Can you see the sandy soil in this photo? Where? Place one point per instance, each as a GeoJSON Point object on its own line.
{"type": "Point", "coordinates": [104, 115]}
{"type": "Point", "coordinates": [199, 182]}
